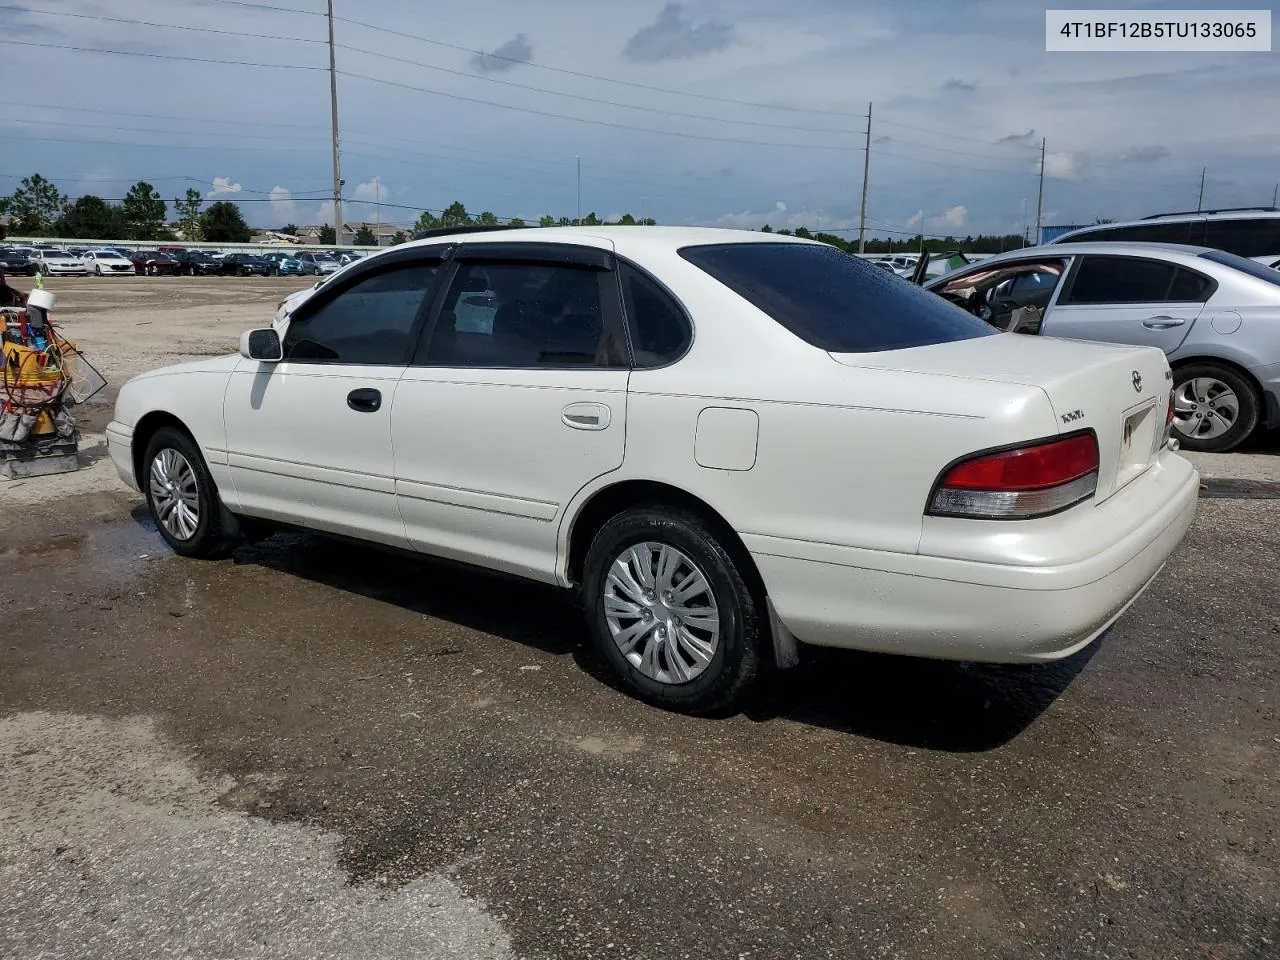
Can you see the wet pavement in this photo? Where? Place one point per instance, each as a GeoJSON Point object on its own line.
{"type": "Point", "coordinates": [317, 749]}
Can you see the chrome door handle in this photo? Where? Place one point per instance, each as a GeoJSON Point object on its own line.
{"type": "Point", "coordinates": [1163, 323]}
{"type": "Point", "coordinates": [586, 416]}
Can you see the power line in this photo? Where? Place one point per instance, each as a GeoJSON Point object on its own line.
{"type": "Point", "coordinates": [112, 126]}
{"type": "Point", "coordinates": [598, 123]}
{"type": "Point", "coordinates": [158, 56]}
{"type": "Point", "coordinates": [161, 116]}
{"type": "Point", "coordinates": [150, 23]}
{"type": "Point", "coordinates": [586, 99]}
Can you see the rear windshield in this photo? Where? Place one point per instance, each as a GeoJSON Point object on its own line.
{"type": "Point", "coordinates": [834, 300]}
{"type": "Point", "coordinates": [1244, 265]}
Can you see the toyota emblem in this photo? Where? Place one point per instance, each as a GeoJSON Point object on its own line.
{"type": "Point", "coordinates": [1137, 381]}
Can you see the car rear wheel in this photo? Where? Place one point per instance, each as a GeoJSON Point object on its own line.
{"type": "Point", "coordinates": [182, 497]}
{"type": "Point", "coordinates": [1214, 407]}
{"type": "Point", "coordinates": [671, 611]}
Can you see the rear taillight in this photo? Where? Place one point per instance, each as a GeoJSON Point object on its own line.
{"type": "Point", "coordinates": [1017, 484]}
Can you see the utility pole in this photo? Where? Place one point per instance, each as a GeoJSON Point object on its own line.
{"type": "Point", "coordinates": [377, 211]}
{"type": "Point", "coordinates": [866, 169]}
{"type": "Point", "coordinates": [1040, 198]}
{"type": "Point", "coordinates": [579, 220]}
{"type": "Point", "coordinates": [333, 104]}
{"type": "Point", "coordinates": [1274, 194]}
{"type": "Point", "coordinates": [1024, 222]}
{"type": "Point", "coordinates": [1200, 199]}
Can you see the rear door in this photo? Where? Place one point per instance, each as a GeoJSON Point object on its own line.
{"type": "Point", "coordinates": [515, 401]}
{"type": "Point", "coordinates": [1124, 299]}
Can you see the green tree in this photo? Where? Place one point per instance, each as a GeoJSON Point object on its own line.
{"type": "Point", "coordinates": [766, 229]}
{"type": "Point", "coordinates": [399, 237]}
{"type": "Point", "coordinates": [627, 220]}
{"type": "Point", "coordinates": [144, 211]}
{"type": "Point", "coordinates": [784, 233]}
{"type": "Point", "coordinates": [546, 220]}
{"type": "Point", "coordinates": [290, 229]}
{"type": "Point", "coordinates": [224, 223]}
{"type": "Point", "coordinates": [648, 222]}
{"type": "Point", "coordinates": [90, 218]}
{"type": "Point", "coordinates": [804, 233]}
{"type": "Point", "coordinates": [455, 215]}
{"type": "Point", "coordinates": [366, 237]}
{"type": "Point", "coordinates": [188, 212]}
{"type": "Point", "coordinates": [326, 234]}
{"type": "Point", "coordinates": [488, 218]}
{"type": "Point", "coordinates": [516, 222]}
{"type": "Point", "coordinates": [35, 207]}
{"type": "Point", "coordinates": [428, 221]}
{"type": "Point", "coordinates": [591, 220]}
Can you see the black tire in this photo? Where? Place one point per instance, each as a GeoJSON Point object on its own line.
{"type": "Point", "coordinates": [1249, 403]}
{"type": "Point", "coordinates": [215, 532]}
{"type": "Point", "coordinates": [743, 631]}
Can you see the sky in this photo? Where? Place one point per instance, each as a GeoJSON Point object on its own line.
{"type": "Point", "coordinates": [713, 112]}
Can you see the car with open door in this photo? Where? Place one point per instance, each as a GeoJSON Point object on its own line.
{"type": "Point", "coordinates": [1215, 315]}
{"type": "Point", "coordinates": [726, 443]}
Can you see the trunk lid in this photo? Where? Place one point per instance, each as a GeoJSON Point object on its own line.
{"type": "Point", "coordinates": [1121, 393]}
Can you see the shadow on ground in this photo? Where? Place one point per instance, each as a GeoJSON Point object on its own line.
{"type": "Point", "coordinates": [932, 704]}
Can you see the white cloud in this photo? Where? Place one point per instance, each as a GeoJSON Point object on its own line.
{"type": "Point", "coordinates": [283, 209]}
{"type": "Point", "coordinates": [1060, 166]}
{"type": "Point", "coordinates": [372, 191]}
{"type": "Point", "coordinates": [222, 186]}
{"type": "Point", "coordinates": [955, 216]}
{"type": "Point", "coordinates": [914, 219]}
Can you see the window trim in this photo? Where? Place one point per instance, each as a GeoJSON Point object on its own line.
{"type": "Point", "coordinates": [417, 257]}
{"type": "Point", "coordinates": [575, 256]}
{"type": "Point", "coordinates": [1064, 295]}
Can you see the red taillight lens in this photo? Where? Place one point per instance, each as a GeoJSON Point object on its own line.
{"type": "Point", "coordinates": [1168, 417]}
{"type": "Point", "coordinates": [1024, 482]}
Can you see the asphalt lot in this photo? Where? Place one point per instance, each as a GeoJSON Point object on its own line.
{"type": "Point", "coordinates": [318, 750]}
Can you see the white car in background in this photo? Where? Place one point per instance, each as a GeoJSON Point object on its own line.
{"type": "Point", "coordinates": [108, 263]}
{"type": "Point", "coordinates": [728, 441]}
{"type": "Point", "coordinates": [54, 263]}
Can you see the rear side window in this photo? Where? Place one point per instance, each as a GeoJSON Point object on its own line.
{"type": "Point", "coordinates": [1254, 269]}
{"type": "Point", "coordinates": [1121, 280]}
{"type": "Point", "coordinates": [1245, 238]}
{"type": "Point", "coordinates": [659, 329]}
{"type": "Point", "coordinates": [833, 300]}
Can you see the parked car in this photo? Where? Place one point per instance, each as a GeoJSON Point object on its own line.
{"type": "Point", "coordinates": [1214, 314]}
{"type": "Point", "coordinates": [729, 441]}
{"type": "Point", "coordinates": [316, 264]}
{"type": "Point", "coordinates": [1252, 232]}
{"type": "Point", "coordinates": [108, 263]}
{"type": "Point", "coordinates": [284, 264]}
{"type": "Point", "coordinates": [196, 263]}
{"type": "Point", "coordinates": [51, 262]}
{"type": "Point", "coordinates": [153, 263]}
{"type": "Point", "coordinates": [244, 265]}
{"type": "Point", "coordinates": [345, 257]}
{"type": "Point", "coordinates": [16, 262]}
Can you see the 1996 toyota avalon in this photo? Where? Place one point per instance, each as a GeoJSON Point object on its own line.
{"type": "Point", "coordinates": [729, 441]}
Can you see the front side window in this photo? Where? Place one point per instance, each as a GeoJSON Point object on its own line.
{"type": "Point", "coordinates": [832, 300]}
{"type": "Point", "coordinates": [1121, 280]}
{"type": "Point", "coordinates": [659, 329]}
{"type": "Point", "coordinates": [370, 322]}
{"type": "Point", "coordinates": [525, 315]}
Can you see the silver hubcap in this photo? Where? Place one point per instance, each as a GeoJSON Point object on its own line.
{"type": "Point", "coordinates": [662, 613]}
{"type": "Point", "coordinates": [175, 496]}
{"type": "Point", "coordinates": [1205, 408]}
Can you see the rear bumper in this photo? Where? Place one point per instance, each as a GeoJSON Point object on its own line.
{"type": "Point", "coordinates": [970, 610]}
{"type": "Point", "coordinates": [1269, 378]}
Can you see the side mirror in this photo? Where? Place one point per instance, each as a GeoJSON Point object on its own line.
{"type": "Point", "coordinates": [263, 345]}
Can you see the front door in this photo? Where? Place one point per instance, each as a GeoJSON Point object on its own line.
{"type": "Point", "coordinates": [516, 401]}
{"type": "Point", "coordinates": [309, 438]}
{"type": "Point", "coordinates": [1134, 300]}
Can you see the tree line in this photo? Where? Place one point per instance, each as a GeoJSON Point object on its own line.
{"type": "Point", "coordinates": [38, 209]}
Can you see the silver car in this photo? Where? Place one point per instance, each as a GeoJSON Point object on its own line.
{"type": "Point", "coordinates": [1214, 314]}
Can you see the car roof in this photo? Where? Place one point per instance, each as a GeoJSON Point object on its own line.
{"type": "Point", "coordinates": [624, 239]}
{"type": "Point", "coordinates": [1177, 252]}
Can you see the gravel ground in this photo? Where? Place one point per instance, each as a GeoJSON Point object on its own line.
{"type": "Point", "coordinates": [318, 750]}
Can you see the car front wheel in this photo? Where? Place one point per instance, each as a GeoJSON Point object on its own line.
{"type": "Point", "coordinates": [182, 497]}
{"type": "Point", "coordinates": [671, 611]}
{"type": "Point", "coordinates": [1214, 407]}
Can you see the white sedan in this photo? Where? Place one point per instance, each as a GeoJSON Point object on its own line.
{"type": "Point", "coordinates": [729, 441]}
{"type": "Point", "coordinates": [54, 263]}
{"type": "Point", "coordinates": [108, 263]}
